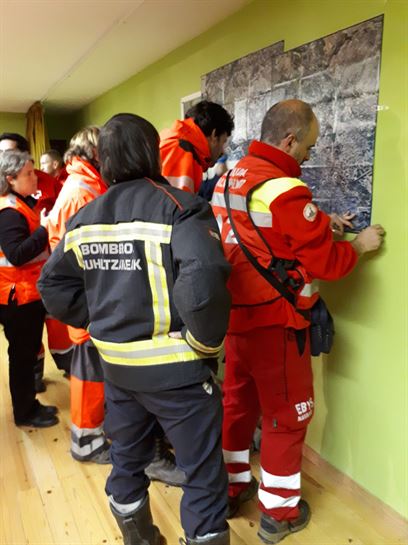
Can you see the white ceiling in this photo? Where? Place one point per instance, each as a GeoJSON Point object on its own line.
{"type": "Point", "coordinates": [68, 52]}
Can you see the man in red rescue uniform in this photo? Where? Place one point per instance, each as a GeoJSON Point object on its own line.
{"type": "Point", "coordinates": [194, 144]}
{"type": "Point", "coordinates": [268, 369]}
{"type": "Point", "coordinates": [59, 343]}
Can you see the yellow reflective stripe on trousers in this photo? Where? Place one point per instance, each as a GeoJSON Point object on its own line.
{"type": "Point", "coordinates": [120, 232]}
{"type": "Point", "coordinates": [158, 286]}
{"type": "Point", "coordinates": [160, 350]}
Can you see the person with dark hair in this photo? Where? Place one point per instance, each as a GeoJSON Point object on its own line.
{"type": "Point", "coordinates": [278, 242]}
{"type": "Point", "coordinates": [23, 251]}
{"type": "Point", "coordinates": [142, 268]}
{"type": "Point", "coordinates": [48, 187]}
{"type": "Point", "coordinates": [51, 163]}
{"type": "Point", "coordinates": [191, 146]}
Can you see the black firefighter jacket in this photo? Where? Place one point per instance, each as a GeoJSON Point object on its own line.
{"type": "Point", "coordinates": [143, 260]}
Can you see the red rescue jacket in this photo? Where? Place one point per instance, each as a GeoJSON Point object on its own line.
{"type": "Point", "coordinates": [282, 221]}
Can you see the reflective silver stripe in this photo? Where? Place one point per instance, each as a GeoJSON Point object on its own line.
{"type": "Point", "coordinates": [75, 182]}
{"type": "Point", "coordinates": [238, 202]}
{"type": "Point", "coordinates": [4, 262]}
{"type": "Point", "coordinates": [43, 256]}
{"type": "Point", "coordinates": [158, 285]}
{"type": "Point", "coordinates": [261, 219]}
{"type": "Point", "coordinates": [309, 289]}
{"type": "Point", "coordinates": [157, 351]}
{"type": "Point", "coordinates": [136, 230]}
{"type": "Point", "coordinates": [54, 351]}
{"type": "Point", "coordinates": [85, 432]}
{"type": "Point", "coordinates": [150, 353]}
{"type": "Point", "coordinates": [89, 448]}
{"type": "Point", "coordinates": [291, 482]}
{"type": "Point", "coordinates": [11, 200]}
{"type": "Point", "coordinates": [236, 456]}
{"type": "Point", "coordinates": [181, 181]}
{"type": "Point", "coordinates": [243, 477]}
{"type": "Point", "coordinates": [273, 501]}
{"type": "Point", "coordinates": [125, 508]}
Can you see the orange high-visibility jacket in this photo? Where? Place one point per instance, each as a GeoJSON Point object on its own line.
{"type": "Point", "coordinates": [83, 185]}
{"type": "Point", "coordinates": [22, 279]}
{"type": "Point", "coordinates": [282, 222]}
{"type": "Point", "coordinates": [185, 155]}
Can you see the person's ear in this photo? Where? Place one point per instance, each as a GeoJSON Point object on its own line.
{"type": "Point", "coordinates": [10, 180]}
{"type": "Point", "coordinates": [287, 142]}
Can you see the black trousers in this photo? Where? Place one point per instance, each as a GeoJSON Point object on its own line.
{"type": "Point", "coordinates": [191, 417]}
{"type": "Point", "coordinates": [23, 327]}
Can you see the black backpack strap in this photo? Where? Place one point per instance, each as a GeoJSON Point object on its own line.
{"type": "Point", "coordinates": [268, 274]}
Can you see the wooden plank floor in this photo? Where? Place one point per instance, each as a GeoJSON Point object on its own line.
{"type": "Point", "coordinates": [47, 498]}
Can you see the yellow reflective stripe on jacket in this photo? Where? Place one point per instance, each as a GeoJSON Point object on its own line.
{"type": "Point", "coordinates": [158, 286]}
{"type": "Point", "coordinates": [157, 351]}
{"type": "Point", "coordinates": [209, 350]}
{"type": "Point", "coordinates": [120, 232]}
{"type": "Point", "coordinates": [238, 202]}
{"type": "Point", "coordinates": [263, 196]}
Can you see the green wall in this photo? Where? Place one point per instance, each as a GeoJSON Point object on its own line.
{"type": "Point", "coordinates": [10, 122]}
{"type": "Point", "coordinates": [60, 126]}
{"type": "Point", "coordinates": [361, 388]}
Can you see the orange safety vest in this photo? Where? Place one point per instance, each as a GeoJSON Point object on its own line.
{"type": "Point", "coordinates": [256, 230]}
{"type": "Point", "coordinates": [22, 279]}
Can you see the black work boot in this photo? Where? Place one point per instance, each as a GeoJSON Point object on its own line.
{"type": "Point", "coordinates": [137, 528]}
{"type": "Point", "coordinates": [272, 531]}
{"type": "Point", "coordinates": [234, 502]}
{"type": "Point", "coordinates": [222, 538]}
{"type": "Point", "coordinates": [163, 467]}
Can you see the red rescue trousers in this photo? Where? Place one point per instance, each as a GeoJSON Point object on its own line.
{"type": "Point", "coordinates": [265, 374]}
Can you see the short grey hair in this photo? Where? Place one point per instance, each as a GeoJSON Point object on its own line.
{"type": "Point", "coordinates": [11, 162]}
{"type": "Point", "coordinates": [284, 118]}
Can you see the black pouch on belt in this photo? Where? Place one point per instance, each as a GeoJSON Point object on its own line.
{"type": "Point", "coordinates": [321, 329]}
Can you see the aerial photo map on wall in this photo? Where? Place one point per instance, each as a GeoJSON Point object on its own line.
{"type": "Point", "coordinates": [339, 76]}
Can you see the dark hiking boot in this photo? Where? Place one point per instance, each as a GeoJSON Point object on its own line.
{"type": "Point", "coordinates": [222, 538]}
{"type": "Point", "coordinates": [137, 528]}
{"type": "Point", "coordinates": [44, 416]}
{"type": "Point", "coordinates": [163, 467]}
{"type": "Point", "coordinates": [39, 386]}
{"type": "Point", "coordinates": [234, 502]}
{"type": "Point", "coordinates": [272, 531]}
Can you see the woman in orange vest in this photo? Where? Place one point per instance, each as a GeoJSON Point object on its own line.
{"type": "Point", "coordinates": [23, 251]}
